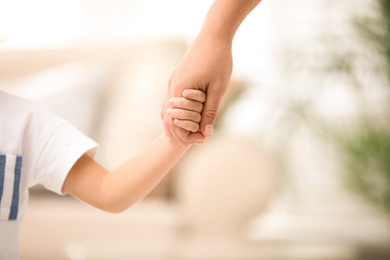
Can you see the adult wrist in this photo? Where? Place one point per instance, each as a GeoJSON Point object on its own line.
{"type": "Point", "coordinates": [214, 29]}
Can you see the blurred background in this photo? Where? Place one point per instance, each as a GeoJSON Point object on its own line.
{"type": "Point", "coordinates": [298, 168]}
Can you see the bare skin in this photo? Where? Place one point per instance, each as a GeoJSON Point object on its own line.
{"type": "Point", "coordinates": [115, 191]}
{"type": "Point", "coordinates": [207, 66]}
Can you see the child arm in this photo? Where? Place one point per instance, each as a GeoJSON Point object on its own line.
{"type": "Point", "coordinates": [117, 190]}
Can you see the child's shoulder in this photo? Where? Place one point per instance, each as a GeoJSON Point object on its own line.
{"type": "Point", "coordinates": [9, 101]}
{"type": "Point", "coordinates": [17, 123]}
{"type": "Point", "coordinates": [17, 110]}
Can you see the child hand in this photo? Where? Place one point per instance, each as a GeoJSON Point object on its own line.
{"type": "Point", "coordinates": [186, 111]}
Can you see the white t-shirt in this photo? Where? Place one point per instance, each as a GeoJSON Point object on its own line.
{"type": "Point", "coordinates": [36, 146]}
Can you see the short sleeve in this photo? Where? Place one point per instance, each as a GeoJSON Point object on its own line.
{"type": "Point", "coordinates": [57, 146]}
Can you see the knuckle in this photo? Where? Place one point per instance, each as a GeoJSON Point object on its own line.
{"type": "Point", "coordinates": [191, 126]}
{"type": "Point", "coordinates": [198, 96]}
{"type": "Point", "coordinates": [198, 117]}
{"type": "Point", "coordinates": [203, 97]}
{"type": "Point", "coordinates": [211, 113]}
{"type": "Point", "coordinates": [187, 127]}
{"type": "Point", "coordinates": [196, 92]}
{"type": "Point", "coordinates": [199, 107]}
{"type": "Point", "coordinates": [195, 128]}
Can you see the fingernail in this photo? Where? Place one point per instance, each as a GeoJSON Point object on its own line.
{"type": "Point", "coordinates": [169, 111]}
{"type": "Point", "coordinates": [186, 93]}
{"type": "Point", "coordinates": [177, 121]}
{"type": "Point", "coordinates": [171, 102]}
{"type": "Point", "coordinates": [209, 130]}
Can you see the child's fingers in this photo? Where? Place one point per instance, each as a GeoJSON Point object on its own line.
{"type": "Point", "coordinates": [187, 125]}
{"type": "Point", "coordinates": [186, 104]}
{"type": "Point", "coordinates": [190, 137]}
{"type": "Point", "coordinates": [184, 114]}
{"type": "Point", "coordinates": [193, 138]}
{"type": "Point", "coordinates": [194, 94]}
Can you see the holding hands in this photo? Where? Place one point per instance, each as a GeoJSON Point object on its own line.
{"type": "Point", "coordinates": [185, 113]}
{"type": "Point", "coordinates": [207, 66]}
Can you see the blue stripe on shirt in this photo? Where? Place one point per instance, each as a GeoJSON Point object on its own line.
{"type": "Point", "coordinates": [15, 196]}
{"type": "Point", "coordinates": [2, 173]}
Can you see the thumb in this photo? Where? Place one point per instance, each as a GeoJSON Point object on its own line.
{"type": "Point", "coordinates": [210, 111]}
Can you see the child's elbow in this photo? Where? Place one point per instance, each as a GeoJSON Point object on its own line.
{"type": "Point", "coordinates": [113, 210]}
{"type": "Point", "coordinates": [114, 201]}
{"type": "Point", "coordinates": [114, 206]}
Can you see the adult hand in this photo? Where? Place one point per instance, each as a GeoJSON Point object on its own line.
{"type": "Point", "coordinates": [207, 66]}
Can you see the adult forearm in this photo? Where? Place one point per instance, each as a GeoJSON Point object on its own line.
{"type": "Point", "coordinates": [225, 16]}
{"type": "Point", "coordinates": [135, 178]}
